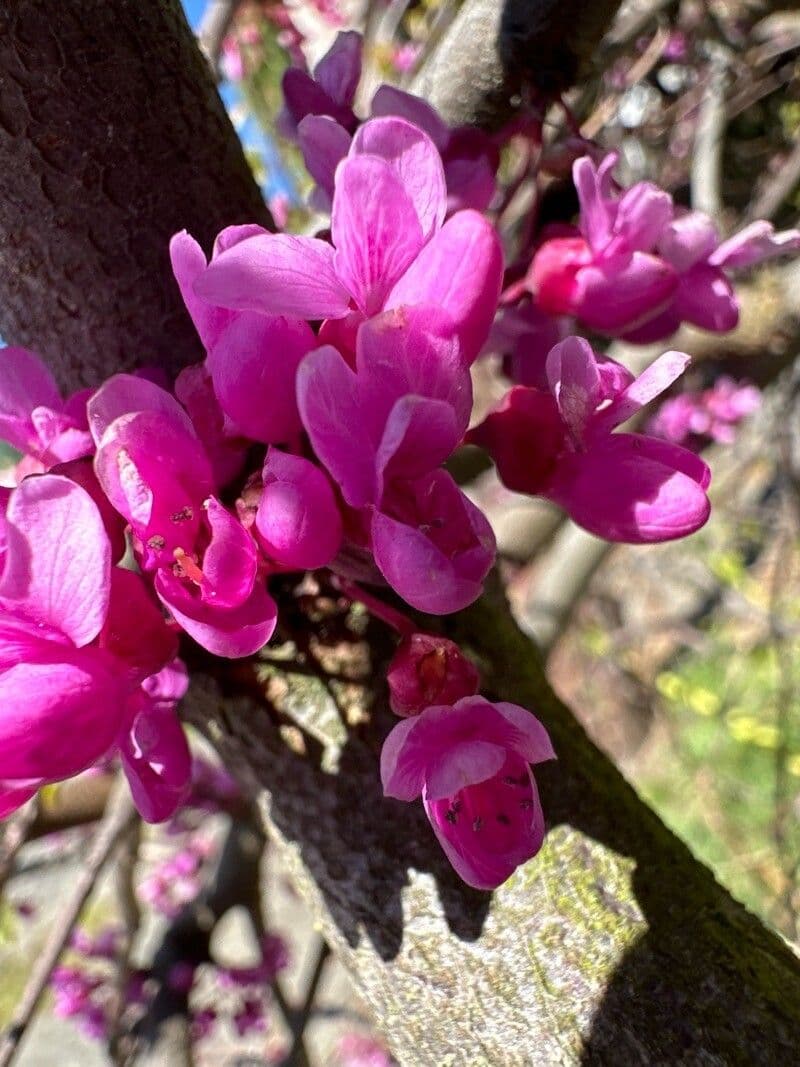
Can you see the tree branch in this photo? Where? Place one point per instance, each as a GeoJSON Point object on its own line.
{"type": "Point", "coordinates": [118, 819]}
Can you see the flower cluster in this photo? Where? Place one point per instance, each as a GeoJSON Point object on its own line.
{"type": "Point", "coordinates": [713, 414]}
{"type": "Point", "coordinates": [335, 386]}
{"type": "Point", "coordinates": [637, 265]}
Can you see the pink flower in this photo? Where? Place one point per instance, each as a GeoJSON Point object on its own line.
{"type": "Point", "coordinates": [33, 417]}
{"type": "Point", "coordinates": [639, 266]}
{"type": "Point", "coordinates": [390, 247]}
{"type": "Point", "coordinates": [382, 430]}
{"type": "Point", "coordinates": [155, 472]}
{"type": "Point", "coordinates": [252, 358]}
{"type": "Point", "coordinates": [469, 156]}
{"type": "Point", "coordinates": [360, 1050]}
{"type": "Point", "coordinates": [298, 524]}
{"type": "Point", "coordinates": [250, 1017]}
{"type": "Point", "coordinates": [70, 675]}
{"type": "Point", "coordinates": [330, 91]}
{"type": "Point", "coordinates": [607, 276]}
{"type": "Point", "coordinates": [427, 670]}
{"type": "Point", "coordinates": [714, 413]}
{"type": "Point", "coordinates": [470, 763]}
{"type": "Point", "coordinates": [559, 444]}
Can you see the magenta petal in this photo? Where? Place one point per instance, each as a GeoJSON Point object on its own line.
{"type": "Point", "coordinates": [688, 239]}
{"type": "Point", "coordinates": [470, 168]}
{"type": "Point", "coordinates": [414, 159]}
{"type": "Point", "coordinates": [227, 632]}
{"type": "Point", "coordinates": [188, 263]}
{"type": "Point", "coordinates": [754, 244]}
{"type": "Point", "coordinates": [156, 760]}
{"type": "Point", "coordinates": [618, 295]}
{"type": "Point", "coordinates": [276, 274]}
{"type": "Point", "coordinates": [324, 144]}
{"type": "Point", "coordinates": [404, 760]}
{"type": "Point", "coordinates": [533, 742]}
{"type": "Point", "coordinates": [297, 521]}
{"type": "Point", "coordinates": [420, 434]}
{"type": "Point", "coordinates": [465, 763]}
{"type": "Point", "coordinates": [596, 217]}
{"type": "Point", "coordinates": [230, 561]}
{"type": "Point", "coordinates": [234, 235]}
{"type": "Point", "coordinates": [25, 384]}
{"type": "Point", "coordinates": [706, 298]}
{"type": "Point", "coordinates": [57, 718]}
{"type": "Point", "coordinates": [642, 213]}
{"type": "Point", "coordinates": [13, 796]}
{"type": "Point", "coordinates": [303, 96]}
{"type": "Point", "coordinates": [460, 270]}
{"type": "Point", "coordinates": [125, 394]}
{"type": "Point", "coordinates": [436, 547]}
{"type": "Point", "coordinates": [339, 71]}
{"type": "Point", "coordinates": [342, 431]}
{"type": "Point", "coordinates": [574, 381]}
{"type": "Point", "coordinates": [389, 100]}
{"type": "Point", "coordinates": [152, 469]}
{"type": "Point", "coordinates": [627, 490]}
{"type": "Point", "coordinates": [671, 455]}
{"type": "Point", "coordinates": [58, 561]}
{"type": "Point", "coordinates": [253, 367]}
{"type": "Point", "coordinates": [652, 382]}
{"type": "Point", "coordinates": [375, 229]}
{"type": "Point", "coordinates": [413, 350]}
{"type": "Point", "coordinates": [135, 631]}
{"type": "Point", "coordinates": [487, 830]}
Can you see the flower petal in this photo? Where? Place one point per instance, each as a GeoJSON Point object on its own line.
{"type": "Point", "coordinates": [227, 632]}
{"type": "Point", "coordinates": [375, 229]}
{"type": "Point", "coordinates": [57, 718]}
{"type": "Point", "coordinates": [414, 159]}
{"type": "Point", "coordinates": [58, 561]}
{"type": "Point", "coordinates": [343, 432]}
{"type": "Point", "coordinates": [632, 489]}
{"type": "Point", "coordinates": [253, 366]}
{"type": "Point", "coordinates": [460, 270]}
{"type": "Point", "coordinates": [276, 274]}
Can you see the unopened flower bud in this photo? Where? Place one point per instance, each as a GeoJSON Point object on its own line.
{"type": "Point", "coordinates": [428, 670]}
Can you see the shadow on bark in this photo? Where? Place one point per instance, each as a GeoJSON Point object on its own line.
{"type": "Point", "coordinates": [644, 955]}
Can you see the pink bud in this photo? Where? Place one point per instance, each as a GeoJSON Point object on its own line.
{"type": "Point", "coordinates": [428, 670]}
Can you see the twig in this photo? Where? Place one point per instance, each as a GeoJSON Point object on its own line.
{"type": "Point", "coordinates": [117, 820]}
{"type": "Point", "coordinates": [17, 831]}
{"type": "Point", "coordinates": [131, 918]}
{"type": "Point", "coordinates": [214, 24]}
{"type": "Point", "coordinates": [706, 176]}
{"type": "Point", "coordinates": [163, 1034]}
{"type": "Point", "coordinates": [628, 29]}
{"type": "Point", "coordinates": [298, 1020]}
{"type": "Point", "coordinates": [767, 204]}
{"type": "Point", "coordinates": [637, 73]}
{"type": "Point", "coordinates": [567, 570]}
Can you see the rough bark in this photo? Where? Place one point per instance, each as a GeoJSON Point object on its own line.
{"type": "Point", "coordinates": [615, 945]}
{"type": "Point", "coordinates": [499, 54]}
{"type": "Point", "coordinates": [112, 138]}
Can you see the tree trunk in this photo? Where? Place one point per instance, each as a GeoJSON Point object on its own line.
{"type": "Point", "coordinates": [112, 138]}
{"type": "Point", "coordinates": [614, 945]}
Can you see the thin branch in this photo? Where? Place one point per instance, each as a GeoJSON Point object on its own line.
{"type": "Point", "coordinates": [116, 822]}
{"type": "Point", "coordinates": [118, 1045]}
{"type": "Point", "coordinates": [298, 1020]}
{"type": "Point", "coordinates": [17, 832]}
{"type": "Point", "coordinates": [213, 27]}
{"type": "Point", "coordinates": [706, 176]}
{"type": "Point", "coordinates": [163, 1035]}
{"type": "Point", "coordinates": [772, 197]}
